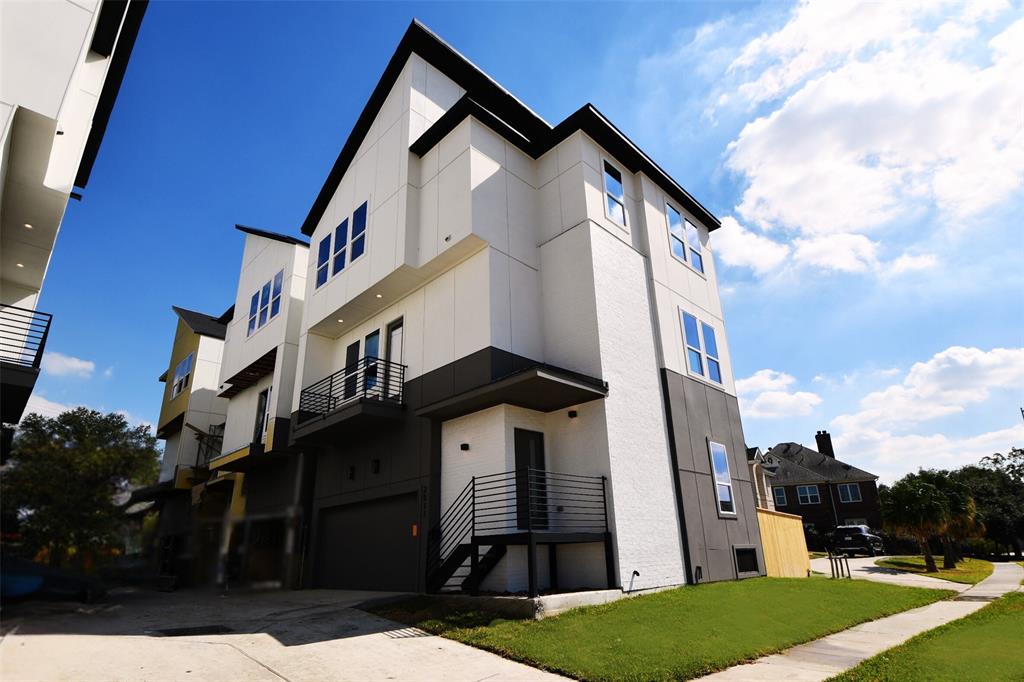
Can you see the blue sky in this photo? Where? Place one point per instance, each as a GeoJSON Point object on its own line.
{"type": "Point", "coordinates": [866, 162]}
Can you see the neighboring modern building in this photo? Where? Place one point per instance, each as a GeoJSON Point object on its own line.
{"type": "Point", "coordinates": [61, 66]}
{"type": "Point", "coordinates": [262, 537]}
{"type": "Point", "coordinates": [191, 424]}
{"type": "Point", "coordinates": [823, 490]}
{"type": "Point", "coordinates": [513, 370]}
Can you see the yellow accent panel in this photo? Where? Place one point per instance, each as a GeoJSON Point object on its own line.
{"type": "Point", "coordinates": [183, 478]}
{"type": "Point", "coordinates": [270, 434]}
{"type": "Point", "coordinates": [185, 341]}
{"type": "Point", "coordinates": [785, 549]}
{"type": "Point", "coordinates": [238, 497]}
{"type": "Point", "coordinates": [230, 457]}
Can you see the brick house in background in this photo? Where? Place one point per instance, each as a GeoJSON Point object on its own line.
{"type": "Point", "coordinates": [823, 490]}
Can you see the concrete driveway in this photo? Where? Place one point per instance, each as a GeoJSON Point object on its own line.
{"type": "Point", "coordinates": [864, 568]}
{"type": "Point", "coordinates": [304, 635]}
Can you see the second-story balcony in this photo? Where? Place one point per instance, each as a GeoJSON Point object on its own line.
{"type": "Point", "coordinates": [370, 387]}
{"type": "Point", "coordinates": [23, 335]}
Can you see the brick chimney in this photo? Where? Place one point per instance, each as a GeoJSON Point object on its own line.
{"type": "Point", "coordinates": [824, 441]}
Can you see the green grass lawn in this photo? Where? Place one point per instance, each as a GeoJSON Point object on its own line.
{"type": "Point", "coordinates": [673, 635]}
{"type": "Point", "coordinates": [969, 571]}
{"type": "Point", "coordinates": [817, 555]}
{"type": "Point", "coordinates": [987, 645]}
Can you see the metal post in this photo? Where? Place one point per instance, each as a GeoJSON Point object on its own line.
{"type": "Point", "coordinates": [42, 342]}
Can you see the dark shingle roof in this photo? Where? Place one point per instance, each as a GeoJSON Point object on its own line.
{"type": "Point", "coordinates": [272, 235]}
{"type": "Point", "coordinates": [203, 324]}
{"type": "Point", "coordinates": [799, 464]}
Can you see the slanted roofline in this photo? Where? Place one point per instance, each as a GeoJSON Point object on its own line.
{"type": "Point", "coordinates": [499, 109]}
{"type": "Point", "coordinates": [203, 324]}
{"type": "Point", "coordinates": [287, 239]}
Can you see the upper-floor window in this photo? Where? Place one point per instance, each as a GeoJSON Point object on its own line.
{"type": "Point", "coordinates": [615, 196]}
{"type": "Point", "coordinates": [265, 304]}
{"type": "Point", "coordinates": [807, 494]}
{"type": "Point", "coordinates": [684, 236]}
{"type": "Point", "coordinates": [348, 246]}
{"type": "Point", "coordinates": [323, 255]}
{"type": "Point", "coordinates": [693, 237]}
{"type": "Point", "coordinates": [723, 479]}
{"type": "Point", "coordinates": [849, 492]}
{"type": "Point", "coordinates": [701, 355]}
{"type": "Point", "coordinates": [182, 373]}
{"type": "Point", "coordinates": [780, 496]}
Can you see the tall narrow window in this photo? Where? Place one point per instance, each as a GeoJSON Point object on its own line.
{"type": "Point", "coordinates": [358, 233]}
{"type": "Point", "coordinates": [322, 257]}
{"type": "Point", "coordinates": [371, 351]}
{"type": "Point", "coordinates": [780, 496]}
{"type": "Point", "coordinates": [723, 480]}
{"type": "Point", "coordinates": [264, 304]}
{"type": "Point", "coordinates": [614, 194]}
{"type": "Point", "coordinates": [340, 246]}
{"type": "Point", "coordinates": [711, 350]}
{"type": "Point", "coordinates": [693, 354]}
{"type": "Point", "coordinates": [254, 306]}
{"type": "Point", "coordinates": [693, 237]}
{"type": "Point", "coordinates": [275, 296]}
{"type": "Point", "coordinates": [676, 233]}
{"type": "Point", "coordinates": [182, 373]}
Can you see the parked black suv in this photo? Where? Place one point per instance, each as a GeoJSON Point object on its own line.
{"type": "Point", "coordinates": [856, 540]}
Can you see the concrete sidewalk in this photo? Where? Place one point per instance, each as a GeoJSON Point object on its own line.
{"type": "Point", "coordinates": [864, 568]}
{"type": "Point", "coordinates": [294, 636]}
{"type": "Point", "coordinates": [831, 655]}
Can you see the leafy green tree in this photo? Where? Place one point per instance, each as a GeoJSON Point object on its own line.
{"type": "Point", "coordinates": [961, 518]}
{"type": "Point", "coordinates": [1012, 463]}
{"type": "Point", "coordinates": [916, 507]}
{"type": "Point", "coordinates": [64, 474]}
{"type": "Point", "coordinates": [1000, 503]}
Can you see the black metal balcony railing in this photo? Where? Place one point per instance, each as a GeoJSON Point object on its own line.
{"type": "Point", "coordinates": [23, 335]}
{"type": "Point", "coordinates": [367, 379]}
{"type": "Point", "coordinates": [518, 501]}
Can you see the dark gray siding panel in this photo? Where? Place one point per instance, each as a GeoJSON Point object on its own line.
{"type": "Point", "coordinates": [698, 413]}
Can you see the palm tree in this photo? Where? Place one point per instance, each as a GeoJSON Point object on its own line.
{"type": "Point", "coordinates": [962, 514]}
{"type": "Point", "coordinates": [913, 506]}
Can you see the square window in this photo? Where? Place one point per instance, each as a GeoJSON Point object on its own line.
{"type": "Point", "coordinates": [849, 492]}
{"type": "Point", "coordinates": [807, 494]}
{"type": "Point", "coordinates": [615, 211]}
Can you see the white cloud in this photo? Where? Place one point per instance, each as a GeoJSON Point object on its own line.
{"type": "Point", "coordinates": [770, 398]}
{"type": "Point", "coordinates": [37, 404]}
{"type": "Point", "coordinates": [778, 404]}
{"type": "Point", "coordinates": [58, 364]}
{"type": "Point", "coordinates": [764, 380]}
{"type": "Point", "coordinates": [737, 246]}
{"type": "Point", "coordinates": [911, 263]}
{"type": "Point", "coordinates": [943, 385]}
{"type": "Point", "coordinates": [883, 113]}
{"type": "Point", "coordinates": [841, 252]}
{"type": "Point", "coordinates": [885, 436]}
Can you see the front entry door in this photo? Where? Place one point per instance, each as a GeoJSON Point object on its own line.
{"type": "Point", "coordinates": [531, 488]}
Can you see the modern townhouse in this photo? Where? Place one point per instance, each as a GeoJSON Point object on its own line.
{"type": "Point", "coordinates": [61, 66]}
{"type": "Point", "coordinates": [191, 424]}
{"type": "Point", "coordinates": [823, 490]}
{"type": "Point", "coordinates": [260, 538]}
{"type": "Point", "coordinates": [513, 372]}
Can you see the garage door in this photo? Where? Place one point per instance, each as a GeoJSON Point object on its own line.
{"type": "Point", "coordinates": [369, 545]}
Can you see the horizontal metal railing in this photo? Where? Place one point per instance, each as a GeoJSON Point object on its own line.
{"type": "Point", "coordinates": [517, 501]}
{"type": "Point", "coordinates": [23, 335]}
{"type": "Point", "coordinates": [368, 379]}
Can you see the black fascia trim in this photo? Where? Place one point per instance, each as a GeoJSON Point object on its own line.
{"type": "Point", "coordinates": [465, 107]}
{"type": "Point", "coordinates": [424, 42]}
{"type": "Point", "coordinates": [106, 26]}
{"type": "Point", "coordinates": [499, 109]}
{"type": "Point", "coordinates": [111, 86]}
{"type": "Point", "coordinates": [203, 324]}
{"type": "Point", "coordinates": [287, 239]}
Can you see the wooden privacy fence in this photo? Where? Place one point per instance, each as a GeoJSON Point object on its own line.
{"type": "Point", "coordinates": [785, 549]}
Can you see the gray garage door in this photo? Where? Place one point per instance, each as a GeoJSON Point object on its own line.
{"type": "Point", "coordinates": [369, 545]}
